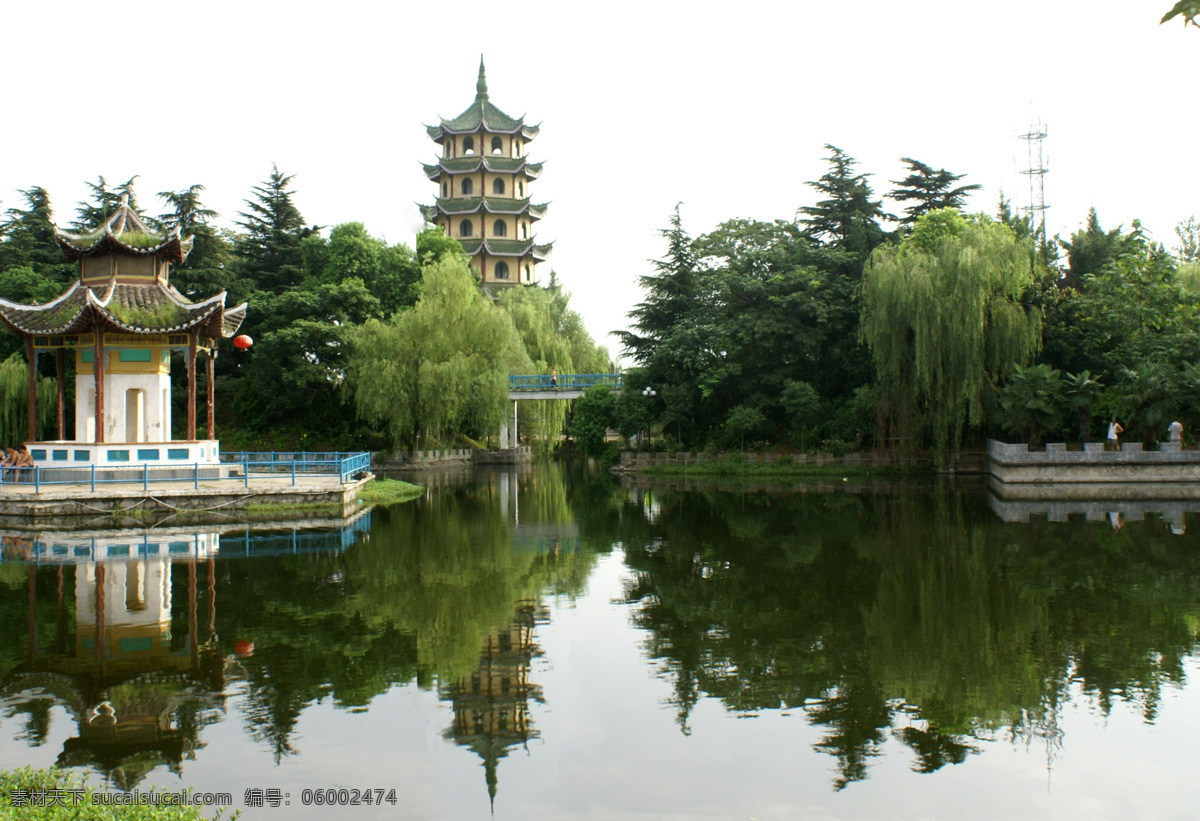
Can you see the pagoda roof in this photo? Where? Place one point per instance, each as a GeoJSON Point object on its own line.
{"type": "Point", "coordinates": [481, 115]}
{"type": "Point", "coordinates": [506, 247]}
{"type": "Point", "coordinates": [124, 232]}
{"type": "Point", "coordinates": [149, 308]}
{"type": "Point", "coordinates": [489, 205]}
{"type": "Point", "coordinates": [494, 164]}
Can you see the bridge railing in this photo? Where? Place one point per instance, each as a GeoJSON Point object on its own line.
{"type": "Point", "coordinates": [234, 467]}
{"type": "Point", "coordinates": [564, 381]}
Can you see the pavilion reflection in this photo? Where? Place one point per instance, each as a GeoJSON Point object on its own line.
{"type": "Point", "coordinates": [121, 633]}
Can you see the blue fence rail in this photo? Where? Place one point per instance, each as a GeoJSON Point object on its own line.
{"type": "Point", "coordinates": [564, 381]}
{"type": "Point", "coordinates": [233, 467]}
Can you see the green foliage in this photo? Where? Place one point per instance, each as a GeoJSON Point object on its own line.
{"type": "Point", "coordinates": [1187, 10]}
{"type": "Point", "coordinates": [14, 402]}
{"type": "Point", "coordinates": [928, 190]}
{"type": "Point", "coordinates": [433, 245]}
{"type": "Point", "coordinates": [1032, 402]}
{"type": "Point", "coordinates": [595, 413]}
{"type": "Point", "coordinates": [847, 218]}
{"type": "Point", "coordinates": [268, 251]}
{"type": "Point", "coordinates": [440, 368]}
{"type": "Point", "coordinates": [1188, 233]}
{"type": "Point", "coordinates": [743, 421]}
{"type": "Point", "coordinates": [104, 202]}
{"type": "Point", "coordinates": [944, 327]}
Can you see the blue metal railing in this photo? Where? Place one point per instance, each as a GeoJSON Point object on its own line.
{"type": "Point", "coordinates": [233, 467]}
{"type": "Point", "coordinates": [564, 381]}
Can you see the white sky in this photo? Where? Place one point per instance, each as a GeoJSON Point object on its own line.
{"type": "Point", "coordinates": [723, 107]}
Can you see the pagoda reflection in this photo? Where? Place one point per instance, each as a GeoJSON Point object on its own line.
{"type": "Point", "coordinates": [491, 704]}
{"type": "Point", "coordinates": [132, 660]}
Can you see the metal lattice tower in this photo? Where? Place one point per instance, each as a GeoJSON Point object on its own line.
{"type": "Point", "coordinates": [1037, 181]}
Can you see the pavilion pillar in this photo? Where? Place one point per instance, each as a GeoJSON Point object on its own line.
{"type": "Point", "coordinates": [60, 372]}
{"type": "Point", "coordinates": [98, 377]}
{"type": "Point", "coordinates": [31, 358]}
{"type": "Point", "coordinates": [208, 399]}
{"type": "Point", "coordinates": [191, 387]}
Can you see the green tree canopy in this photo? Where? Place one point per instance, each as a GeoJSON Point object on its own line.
{"type": "Point", "coordinates": [440, 368]}
{"type": "Point", "coordinates": [928, 190]}
{"type": "Point", "coordinates": [847, 217]}
{"type": "Point", "coordinates": [942, 316]}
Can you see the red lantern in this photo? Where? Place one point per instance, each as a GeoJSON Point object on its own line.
{"type": "Point", "coordinates": [243, 648]}
{"type": "Point", "coordinates": [242, 341]}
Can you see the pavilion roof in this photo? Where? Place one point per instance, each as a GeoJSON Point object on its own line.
{"type": "Point", "coordinates": [489, 205]}
{"type": "Point", "coordinates": [494, 164]}
{"type": "Point", "coordinates": [481, 115]}
{"type": "Point", "coordinates": [143, 308]}
{"type": "Point", "coordinates": [506, 247]}
{"type": "Point", "coordinates": [126, 233]}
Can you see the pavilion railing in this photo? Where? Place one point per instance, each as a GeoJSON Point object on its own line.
{"type": "Point", "coordinates": [564, 381]}
{"type": "Point", "coordinates": [233, 467]}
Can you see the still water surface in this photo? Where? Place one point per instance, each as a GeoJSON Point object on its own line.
{"type": "Point", "coordinates": [554, 645]}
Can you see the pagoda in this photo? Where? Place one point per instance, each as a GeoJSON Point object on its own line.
{"type": "Point", "coordinates": [120, 320]}
{"type": "Point", "coordinates": [484, 201]}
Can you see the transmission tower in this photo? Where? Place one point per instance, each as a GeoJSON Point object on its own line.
{"type": "Point", "coordinates": [1037, 180]}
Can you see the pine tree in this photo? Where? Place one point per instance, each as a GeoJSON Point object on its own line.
{"type": "Point", "coordinates": [928, 190]}
{"type": "Point", "coordinates": [270, 247]}
{"type": "Point", "coordinates": [202, 274]}
{"type": "Point", "coordinates": [671, 295]}
{"type": "Point", "coordinates": [28, 241]}
{"type": "Point", "coordinates": [847, 218]}
{"type": "Point", "coordinates": [104, 201]}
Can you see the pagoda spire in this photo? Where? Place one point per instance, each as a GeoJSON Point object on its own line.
{"type": "Point", "coordinates": [481, 94]}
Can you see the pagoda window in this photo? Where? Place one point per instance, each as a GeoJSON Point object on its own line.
{"type": "Point", "coordinates": [499, 228]}
{"type": "Point", "coordinates": [467, 186]}
{"type": "Point", "coordinates": [520, 189]}
{"type": "Point", "coordinates": [497, 186]}
{"type": "Point", "coordinates": [501, 270]}
{"type": "Point", "coordinates": [524, 230]}
{"type": "Point", "coordinates": [468, 145]}
{"type": "Point", "coordinates": [527, 274]}
{"type": "Point", "coordinates": [497, 145]}
{"type": "Point", "coordinates": [443, 189]}
{"type": "Point", "coordinates": [464, 228]}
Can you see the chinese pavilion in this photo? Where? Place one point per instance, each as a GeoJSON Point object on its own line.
{"type": "Point", "coordinates": [120, 320]}
{"type": "Point", "coordinates": [484, 200]}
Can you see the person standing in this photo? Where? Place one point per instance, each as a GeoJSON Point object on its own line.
{"type": "Point", "coordinates": [553, 378]}
{"type": "Point", "coordinates": [1114, 430]}
{"type": "Point", "coordinates": [1175, 430]}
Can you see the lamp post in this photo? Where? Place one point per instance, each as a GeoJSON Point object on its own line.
{"type": "Point", "coordinates": [648, 393]}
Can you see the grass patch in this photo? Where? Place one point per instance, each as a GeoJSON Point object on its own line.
{"type": "Point", "coordinates": [35, 795]}
{"type": "Point", "coordinates": [388, 492]}
{"type": "Point", "coordinates": [293, 507]}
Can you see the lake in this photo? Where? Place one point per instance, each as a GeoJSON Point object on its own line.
{"type": "Point", "coordinates": [551, 643]}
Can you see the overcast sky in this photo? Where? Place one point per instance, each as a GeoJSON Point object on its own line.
{"type": "Point", "coordinates": [723, 107]}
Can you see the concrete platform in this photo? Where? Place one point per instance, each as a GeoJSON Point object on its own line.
{"type": "Point", "coordinates": [20, 501]}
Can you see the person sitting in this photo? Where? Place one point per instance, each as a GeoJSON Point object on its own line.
{"type": "Point", "coordinates": [20, 460]}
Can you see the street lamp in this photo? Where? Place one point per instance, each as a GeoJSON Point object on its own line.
{"type": "Point", "coordinates": [647, 394]}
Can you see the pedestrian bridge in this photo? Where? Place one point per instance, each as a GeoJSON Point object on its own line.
{"type": "Point", "coordinates": [545, 386]}
{"type": "Point", "coordinates": [563, 386]}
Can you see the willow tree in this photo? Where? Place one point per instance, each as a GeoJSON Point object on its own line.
{"type": "Point", "coordinates": [14, 401]}
{"type": "Point", "coordinates": [439, 369]}
{"type": "Point", "coordinates": [554, 337]}
{"type": "Point", "coordinates": [942, 317]}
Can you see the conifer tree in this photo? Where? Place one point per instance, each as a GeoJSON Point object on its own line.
{"type": "Point", "coordinates": [847, 218]}
{"type": "Point", "coordinates": [202, 274]}
{"type": "Point", "coordinates": [270, 247]}
{"type": "Point", "coordinates": [104, 201]}
{"type": "Point", "coordinates": [928, 190]}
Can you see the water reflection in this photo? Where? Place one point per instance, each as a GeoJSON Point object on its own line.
{"type": "Point", "coordinates": [916, 616]}
{"type": "Point", "coordinates": [884, 617]}
{"type": "Point", "coordinates": [491, 703]}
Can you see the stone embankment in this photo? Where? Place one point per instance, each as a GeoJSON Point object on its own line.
{"type": "Point", "coordinates": [1058, 473]}
{"type": "Point", "coordinates": [460, 457]}
{"type": "Point", "coordinates": [875, 460]}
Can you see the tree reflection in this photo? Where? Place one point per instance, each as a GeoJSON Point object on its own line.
{"type": "Point", "coordinates": [915, 616]}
